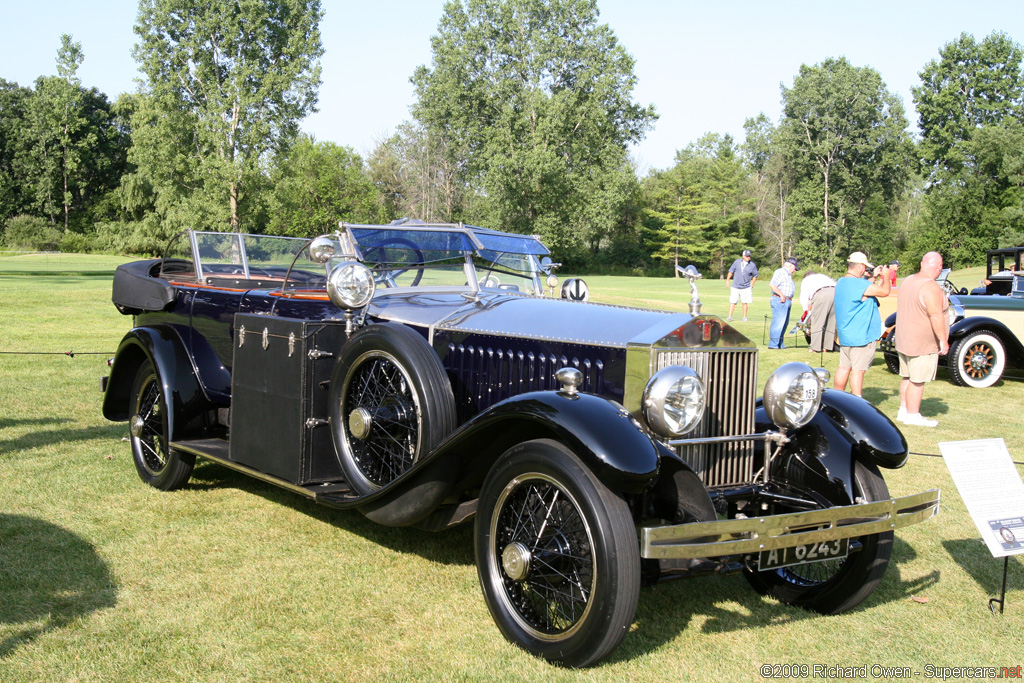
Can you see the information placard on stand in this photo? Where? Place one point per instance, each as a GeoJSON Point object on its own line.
{"type": "Point", "coordinates": [993, 492]}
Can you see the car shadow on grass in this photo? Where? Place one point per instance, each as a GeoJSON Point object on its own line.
{"type": "Point", "coordinates": [723, 604]}
{"type": "Point", "coordinates": [49, 577]}
{"type": "Point", "coordinates": [450, 546]}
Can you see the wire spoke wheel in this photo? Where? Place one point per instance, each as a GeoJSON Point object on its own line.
{"type": "Point", "coordinates": [157, 463]}
{"type": "Point", "coordinates": [381, 391]}
{"type": "Point", "coordinates": [148, 428]}
{"type": "Point", "coordinates": [391, 403]}
{"type": "Point", "coordinates": [539, 521]}
{"type": "Point", "coordinates": [837, 585]}
{"type": "Point", "coordinates": [557, 555]}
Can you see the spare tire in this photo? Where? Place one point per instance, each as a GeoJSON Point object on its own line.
{"type": "Point", "coordinates": [391, 403]}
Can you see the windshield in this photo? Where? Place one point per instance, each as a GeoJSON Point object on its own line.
{"type": "Point", "coordinates": [400, 255]}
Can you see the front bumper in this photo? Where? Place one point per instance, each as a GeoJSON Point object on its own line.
{"type": "Point", "coordinates": [754, 534]}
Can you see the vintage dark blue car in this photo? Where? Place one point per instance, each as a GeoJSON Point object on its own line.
{"type": "Point", "coordinates": [425, 375]}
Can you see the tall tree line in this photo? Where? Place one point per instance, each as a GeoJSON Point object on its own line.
{"type": "Point", "coordinates": [521, 121]}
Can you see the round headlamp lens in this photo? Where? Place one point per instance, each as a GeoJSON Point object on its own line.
{"type": "Point", "coordinates": [792, 395]}
{"type": "Point", "coordinates": [673, 401]}
{"type": "Point", "coordinates": [350, 285]}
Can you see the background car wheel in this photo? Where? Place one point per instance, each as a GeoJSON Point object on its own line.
{"type": "Point", "coordinates": [835, 586]}
{"type": "Point", "coordinates": [977, 360]}
{"type": "Point", "coordinates": [158, 465]}
{"type": "Point", "coordinates": [391, 402]}
{"type": "Point", "coordinates": [557, 555]}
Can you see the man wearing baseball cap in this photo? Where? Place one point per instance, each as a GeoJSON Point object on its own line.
{"type": "Point", "coordinates": [742, 289]}
{"type": "Point", "coordinates": [783, 288]}
{"type": "Point", "coordinates": [893, 267]}
{"type": "Point", "coordinates": [858, 323]}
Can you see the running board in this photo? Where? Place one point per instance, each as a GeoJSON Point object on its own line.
{"type": "Point", "coordinates": [334, 494]}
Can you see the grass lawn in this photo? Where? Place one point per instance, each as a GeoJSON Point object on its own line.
{"type": "Point", "coordinates": [105, 579]}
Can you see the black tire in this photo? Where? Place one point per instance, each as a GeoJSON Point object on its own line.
{"type": "Point", "coordinates": [391, 402]}
{"type": "Point", "coordinates": [557, 555]}
{"type": "Point", "coordinates": [158, 464]}
{"type": "Point", "coordinates": [835, 586]}
{"type": "Point", "coordinates": [977, 360]}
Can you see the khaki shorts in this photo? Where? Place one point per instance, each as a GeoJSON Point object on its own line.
{"type": "Point", "coordinates": [857, 357]}
{"type": "Point", "coordinates": [919, 369]}
{"type": "Point", "coordinates": [745, 295]}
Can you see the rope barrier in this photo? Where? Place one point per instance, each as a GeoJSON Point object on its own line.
{"type": "Point", "coordinates": [70, 354]}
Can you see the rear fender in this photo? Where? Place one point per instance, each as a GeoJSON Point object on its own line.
{"type": "Point", "coordinates": [161, 345]}
{"type": "Point", "coordinates": [609, 440]}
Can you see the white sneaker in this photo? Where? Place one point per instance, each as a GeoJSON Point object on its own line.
{"type": "Point", "coordinates": [917, 420]}
{"type": "Point", "coordinates": [729, 319]}
{"type": "Point", "coordinates": [901, 414]}
{"type": "Point", "coordinates": [744, 320]}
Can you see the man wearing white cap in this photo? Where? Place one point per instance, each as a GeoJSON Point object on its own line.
{"type": "Point", "coordinates": [858, 323]}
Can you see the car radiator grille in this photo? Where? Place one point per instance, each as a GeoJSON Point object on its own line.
{"type": "Point", "coordinates": [484, 375]}
{"type": "Point", "coordinates": [730, 383]}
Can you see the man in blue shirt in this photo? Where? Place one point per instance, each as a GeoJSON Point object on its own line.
{"type": "Point", "coordinates": [858, 323]}
{"type": "Point", "coordinates": [783, 288]}
{"type": "Point", "coordinates": [742, 289]}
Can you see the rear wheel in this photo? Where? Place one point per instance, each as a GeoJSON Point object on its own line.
{"type": "Point", "coordinates": [977, 360]}
{"type": "Point", "coordinates": [557, 555]}
{"type": "Point", "coordinates": [157, 463]}
{"type": "Point", "coordinates": [835, 586]}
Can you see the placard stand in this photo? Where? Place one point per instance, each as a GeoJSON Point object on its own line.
{"type": "Point", "coordinates": [994, 496]}
{"type": "Point", "coordinates": [1002, 596]}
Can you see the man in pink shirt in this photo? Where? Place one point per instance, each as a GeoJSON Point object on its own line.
{"type": "Point", "coordinates": [922, 335]}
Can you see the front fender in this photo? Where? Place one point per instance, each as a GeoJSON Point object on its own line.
{"type": "Point", "coordinates": [163, 347]}
{"type": "Point", "coordinates": [846, 429]}
{"type": "Point", "coordinates": [600, 432]}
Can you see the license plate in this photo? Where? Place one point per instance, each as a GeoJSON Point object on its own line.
{"type": "Point", "coordinates": [800, 554]}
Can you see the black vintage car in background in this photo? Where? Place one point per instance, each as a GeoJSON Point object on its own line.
{"type": "Point", "coordinates": [425, 375]}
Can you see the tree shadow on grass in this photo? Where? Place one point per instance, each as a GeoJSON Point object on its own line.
{"type": "Point", "coordinates": [47, 432]}
{"type": "Point", "coordinates": [450, 546]}
{"type": "Point", "coordinates": [49, 577]}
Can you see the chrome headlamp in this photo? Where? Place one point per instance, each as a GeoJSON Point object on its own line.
{"type": "Point", "coordinates": [350, 285]}
{"type": "Point", "coordinates": [673, 401]}
{"type": "Point", "coordinates": [792, 395]}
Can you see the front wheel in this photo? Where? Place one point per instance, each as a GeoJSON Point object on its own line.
{"type": "Point", "coordinates": [835, 586]}
{"type": "Point", "coordinates": [157, 463]}
{"type": "Point", "coordinates": [557, 555]}
{"type": "Point", "coordinates": [977, 360]}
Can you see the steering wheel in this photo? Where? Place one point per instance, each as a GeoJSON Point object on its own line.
{"type": "Point", "coordinates": [383, 273]}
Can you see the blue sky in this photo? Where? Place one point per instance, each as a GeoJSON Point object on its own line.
{"type": "Point", "coordinates": [705, 66]}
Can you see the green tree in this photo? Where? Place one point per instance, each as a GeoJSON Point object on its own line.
{"type": "Point", "coordinates": [970, 85]}
{"type": "Point", "coordinates": [226, 86]}
{"type": "Point", "coordinates": [845, 137]}
{"type": "Point", "coordinates": [700, 210]}
{"type": "Point", "coordinates": [971, 105]}
{"type": "Point", "coordinates": [13, 130]}
{"type": "Point", "coordinates": [771, 182]}
{"type": "Point", "coordinates": [315, 185]}
{"type": "Point", "coordinates": [531, 103]}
